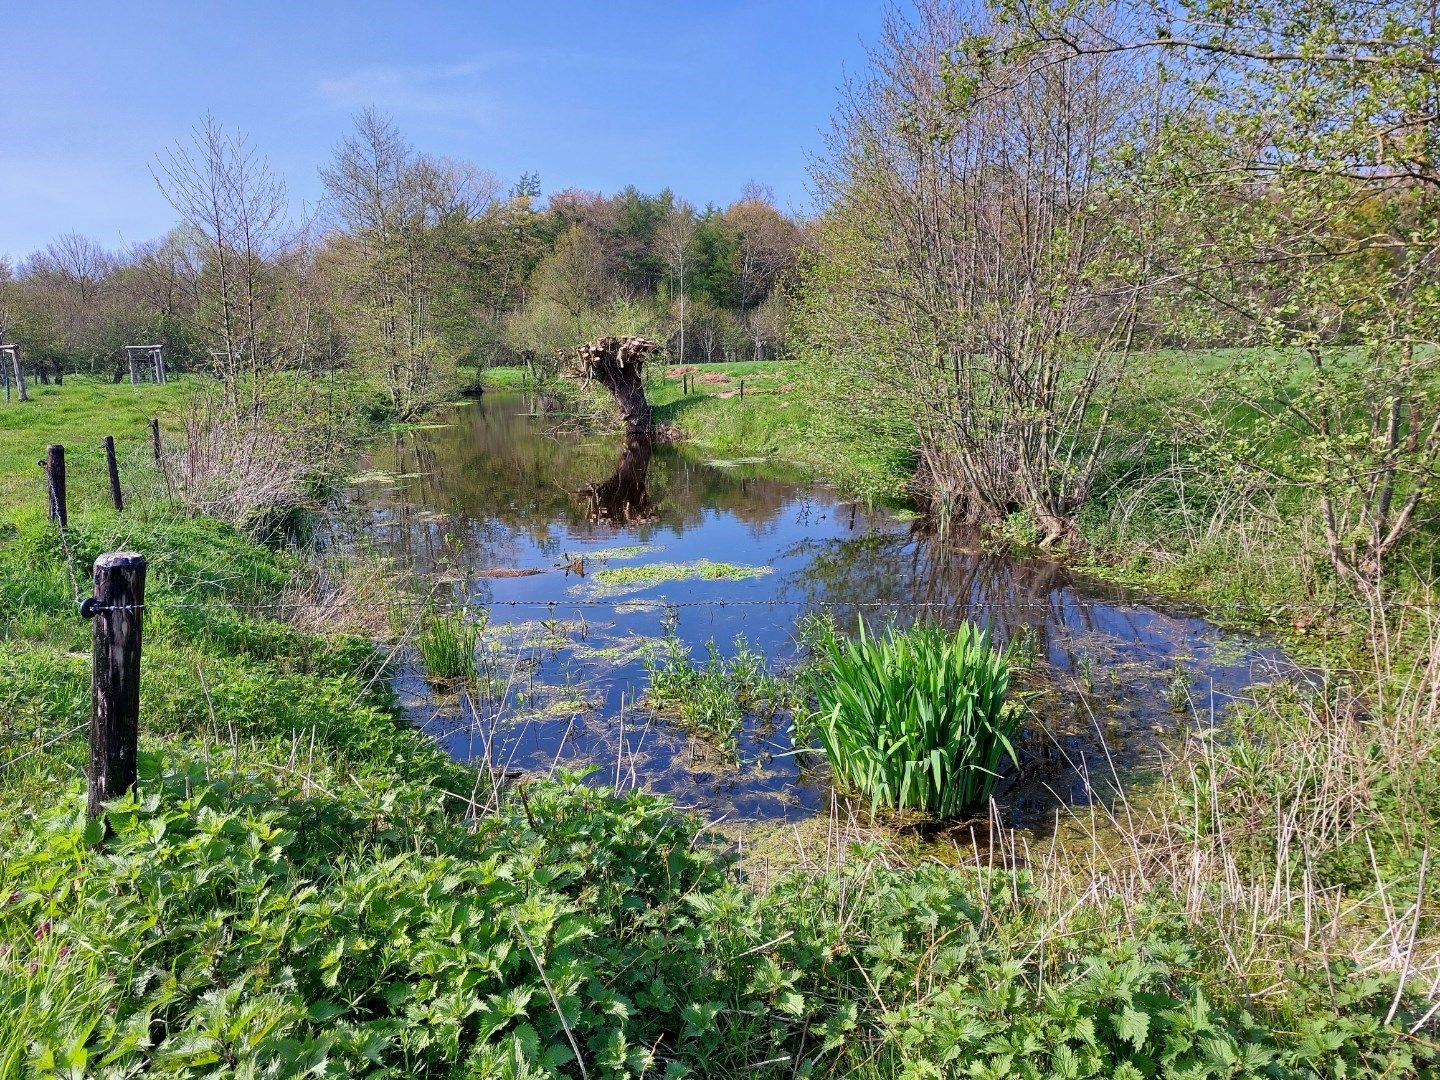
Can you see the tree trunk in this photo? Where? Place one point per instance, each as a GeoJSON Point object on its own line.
{"type": "Point", "coordinates": [617, 364]}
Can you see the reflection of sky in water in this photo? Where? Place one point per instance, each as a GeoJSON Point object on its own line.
{"type": "Point", "coordinates": [491, 491]}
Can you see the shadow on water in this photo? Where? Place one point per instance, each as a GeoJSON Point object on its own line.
{"type": "Point", "coordinates": [489, 491]}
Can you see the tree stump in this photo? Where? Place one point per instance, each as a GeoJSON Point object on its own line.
{"type": "Point", "coordinates": [616, 363]}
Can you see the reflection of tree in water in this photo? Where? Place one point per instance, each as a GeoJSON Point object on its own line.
{"type": "Point", "coordinates": [623, 499]}
{"type": "Point", "coordinates": [495, 469]}
{"type": "Point", "coordinates": [917, 576]}
{"type": "Point", "coordinates": [921, 576]}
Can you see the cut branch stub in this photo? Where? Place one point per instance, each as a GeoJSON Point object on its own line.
{"type": "Point", "coordinates": [616, 363]}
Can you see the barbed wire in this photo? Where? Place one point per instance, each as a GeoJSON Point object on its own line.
{"type": "Point", "coordinates": [612, 604]}
{"type": "Point", "coordinates": [45, 745]}
{"type": "Point", "coordinates": [64, 539]}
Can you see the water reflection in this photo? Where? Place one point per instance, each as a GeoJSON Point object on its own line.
{"type": "Point", "coordinates": [624, 498]}
{"type": "Point", "coordinates": [491, 491]}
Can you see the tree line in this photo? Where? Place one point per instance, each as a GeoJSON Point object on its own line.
{"type": "Point", "coordinates": [413, 266]}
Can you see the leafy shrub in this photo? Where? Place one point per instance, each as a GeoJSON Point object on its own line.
{"type": "Point", "coordinates": [937, 972]}
{"type": "Point", "coordinates": [917, 719]}
{"type": "Point", "coordinates": [265, 922]}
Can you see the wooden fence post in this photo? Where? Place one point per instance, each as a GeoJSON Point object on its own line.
{"type": "Point", "coordinates": [18, 370]}
{"type": "Point", "coordinates": [116, 607]}
{"type": "Point", "coordinates": [54, 466]}
{"type": "Point", "coordinates": [160, 456]}
{"type": "Point", "coordinates": [742, 389]}
{"type": "Point", "coordinates": [113, 468]}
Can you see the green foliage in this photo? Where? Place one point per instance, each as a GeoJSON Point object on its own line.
{"type": "Point", "coordinates": [647, 574]}
{"type": "Point", "coordinates": [302, 888]}
{"type": "Point", "coordinates": [959, 989]}
{"type": "Point", "coordinates": [447, 645]}
{"type": "Point", "coordinates": [712, 699]}
{"type": "Point", "coordinates": [916, 719]}
{"type": "Point", "coordinates": [270, 923]}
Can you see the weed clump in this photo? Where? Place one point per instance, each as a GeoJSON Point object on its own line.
{"type": "Point", "coordinates": [447, 645]}
{"type": "Point", "coordinates": [916, 719]}
{"type": "Point", "coordinates": [712, 699]}
{"type": "Point", "coordinates": [642, 577]}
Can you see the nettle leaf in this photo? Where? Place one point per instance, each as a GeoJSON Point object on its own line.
{"type": "Point", "coordinates": [323, 1011]}
{"type": "Point", "coordinates": [791, 1003]}
{"type": "Point", "coordinates": [1131, 1025]}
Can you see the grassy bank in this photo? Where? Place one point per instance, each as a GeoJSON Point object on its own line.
{"type": "Point", "coordinates": [772, 419]}
{"type": "Point", "coordinates": [80, 414]}
{"type": "Point", "coordinates": [303, 886]}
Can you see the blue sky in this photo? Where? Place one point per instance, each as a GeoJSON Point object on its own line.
{"type": "Point", "coordinates": [700, 97]}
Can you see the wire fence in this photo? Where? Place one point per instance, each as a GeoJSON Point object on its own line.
{"type": "Point", "coordinates": [1054, 598]}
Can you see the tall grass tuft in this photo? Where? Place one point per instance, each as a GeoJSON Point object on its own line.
{"type": "Point", "coordinates": [447, 645]}
{"type": "Point", "coordinates": [916, 719]}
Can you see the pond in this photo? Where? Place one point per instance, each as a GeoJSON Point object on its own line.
{"type": "Point", "coordinates": [491, 509]}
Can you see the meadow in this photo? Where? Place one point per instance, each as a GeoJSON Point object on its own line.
{"type": "Point", "coordinates": [304, 886]}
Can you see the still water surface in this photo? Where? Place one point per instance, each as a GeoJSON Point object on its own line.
{"type": "Point", "coordinates": [489, 491]}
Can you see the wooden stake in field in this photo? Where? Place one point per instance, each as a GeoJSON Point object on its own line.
{"type": "Point", "coordinates": [113, 468]}
{"type": "Point", "coordinates": [116, 608]}
{"type": "Point", "coordinates": [159, 453]}
{"type": "Point", "coordinates": [54, 466]}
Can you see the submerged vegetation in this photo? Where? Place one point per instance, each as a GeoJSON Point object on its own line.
{"type": "Point", "coordinates": [630, 578]}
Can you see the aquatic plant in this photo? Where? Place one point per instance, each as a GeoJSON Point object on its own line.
{"type": "Point", "coordinates": [621, 578]}
{"type": "Point", "coordinates": [447, 645]}
{"type": "Point", "coordinates": [711, 699]}
{"type": "Point", "coordinates": [916, 719]}
{"type": "Point", "coordinates": [625, 551]}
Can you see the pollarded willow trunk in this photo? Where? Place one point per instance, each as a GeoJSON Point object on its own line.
{"type": "Point", "coordinates": [616, 363]}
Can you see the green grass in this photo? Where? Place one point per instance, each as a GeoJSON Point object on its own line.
{"type": "Point", "coordinates": [499, 377]}
{"type": "Point", "coordinates": [916, 719]}
{"type": "Point", "coordinates": [79, 415]}
{"type": "Point", "coordinates": [770, 419]}
{"type": "Point", "coordinates": [447, 644]}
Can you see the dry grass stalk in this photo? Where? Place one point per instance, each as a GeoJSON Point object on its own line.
{"type": "Point", "coordinates": [241, 464]}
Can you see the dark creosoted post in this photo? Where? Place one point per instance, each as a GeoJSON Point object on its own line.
{"type": "Point", "coordinates": [114, 470]}
{"type": "Point", "coordinates": [155, 437]}
{"type": "Point", "coordinates": [116, 607]}
{"type": "Point", "coordinates": [54, 466]}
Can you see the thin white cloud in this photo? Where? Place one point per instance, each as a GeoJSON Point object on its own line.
{"type": "Point", "coordinates": [452, 92]}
